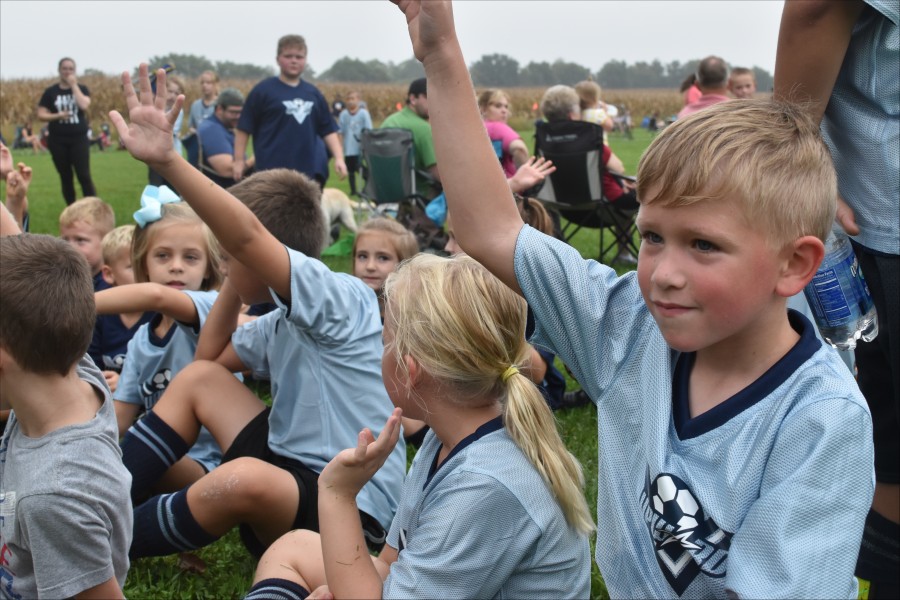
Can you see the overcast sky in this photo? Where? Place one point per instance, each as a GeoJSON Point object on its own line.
{"type": "Point", "coordinates": [116, 36]}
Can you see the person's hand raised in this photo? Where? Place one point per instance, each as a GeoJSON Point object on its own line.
{"type": "Point", "coordinates": [430, 25]}
{"type": "Point", "coordinates": [149, 135]}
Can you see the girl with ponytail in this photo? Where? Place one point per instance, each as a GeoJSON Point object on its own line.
{"type": "Point", "coordinates": [493, 504]}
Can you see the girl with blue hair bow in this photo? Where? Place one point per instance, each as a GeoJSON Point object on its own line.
{"type": "Point", "coordinates": [177, 272]}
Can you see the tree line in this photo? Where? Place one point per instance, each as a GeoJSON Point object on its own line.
{"type": "Point", "coordinates": [498, 70]}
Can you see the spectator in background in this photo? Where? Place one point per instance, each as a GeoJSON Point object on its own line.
{"type": "Point", "coordinates": [712, 79]}
{"type": "Point", "coordinates": [205, 106]}
{"type": "Point", "coordinates": [512, 151]}
{"type": "Point", "coordinates": [593, 109]}
{"type": "Point", "coordinates": [289, 120]}
{"type": "Point", "coordinates": [414, 117]}
{"type": "Point", "coordinates": [353, 120]}
{"type": "Point", "coordinates": [64, 107]}
{"type": "Point", "coordinates": [689, 91]}
{"type": "Point", "coordinates": [742, 83]}
{"type": "Point", "coordinates": [216, 136]}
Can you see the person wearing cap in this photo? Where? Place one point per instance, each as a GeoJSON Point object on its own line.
{"type": "Point", "coordinates": [216, 135]}
{"type": "Point", "coordinates": [414, 117]}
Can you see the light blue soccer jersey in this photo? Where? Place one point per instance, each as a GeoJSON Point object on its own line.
{"type": "Point", "coordinates": [322, 353]}
{"type": "Point", "coordinates": [483, 525]}
{"type": "Point", "coordinates": [764, 495]}
{"type": "Point", "coordinates": [151, 362]}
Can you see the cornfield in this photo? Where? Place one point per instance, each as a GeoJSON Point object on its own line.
{"type": "Point", "coordinates": [19, 98]}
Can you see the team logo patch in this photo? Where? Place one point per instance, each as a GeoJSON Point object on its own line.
{"type": "Point", "coordinates": [686, 542]}
{"type": "Point", "coordinates": [157, 384]}
{"type": "Point", "coordinates": [298, 108]}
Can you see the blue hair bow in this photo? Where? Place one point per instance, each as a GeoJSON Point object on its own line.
{"type": "Point", "coordinates": [152, 199]}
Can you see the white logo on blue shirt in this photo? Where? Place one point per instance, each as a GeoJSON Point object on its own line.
{"type": "Point", "coordinates": [300, 109]}
{"type": "Point", "coordinates": [687, 543]}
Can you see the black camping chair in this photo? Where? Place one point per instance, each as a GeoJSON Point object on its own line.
{"type": "Point", "coordinates": [387, 163]}
{"type": "Point", "coordinates": [575, 189]}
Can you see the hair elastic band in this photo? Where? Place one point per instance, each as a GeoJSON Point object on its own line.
{"type": "Point", "coordinates": [509, 372]}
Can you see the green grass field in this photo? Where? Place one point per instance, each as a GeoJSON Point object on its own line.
{"type": "Point", "coordinates": [119, 180]}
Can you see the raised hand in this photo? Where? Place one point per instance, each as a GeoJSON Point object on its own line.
{"type": "Point", "coordinates": [352, 468]}
{"type": "Point", "coordinates": [149, 135]}
{"type": "Point", "coordinates": [430, 25]}
{"type": "Point", "coordinates": [533, 171]}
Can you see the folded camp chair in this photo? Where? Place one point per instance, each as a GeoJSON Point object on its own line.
{"type": "Point", "coordinates": [387, 163]}
{"type": "Point", "coordinates": [575, 189]}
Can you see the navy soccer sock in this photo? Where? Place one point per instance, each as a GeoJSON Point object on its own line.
{"type": "Point", "coordinates": [276, 589]}
{"type": "Point", "coordinates": [149, 448]}
{"type": "Point", "coordinates": [164, 525]}
{"type": "Point", "coordinates": [879, 559]}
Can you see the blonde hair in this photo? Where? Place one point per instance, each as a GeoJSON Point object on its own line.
{"type": "Point", "coordinates": [767, 155]}
{"type": "Point", "coordinates": [488, 97]}
{"type": "Point", "coordinates": [177, 212]}
{"type": "Point", "coordinates": [588, 93]}
{"type": "Point", "coordinates": [115, 241]}
{"type": "Point", "coordinates": [466, 329]}
{"type": "Point", "coordinates": [93, 211]}
{"type": "Point", "coordinates": [403, 240]}
{"type": "Point", "coordinates": [178, 81]}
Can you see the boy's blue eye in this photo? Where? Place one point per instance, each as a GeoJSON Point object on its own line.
{"type": "Point", "coordinates": [651, 237]}
{"type": "Point", "coordinates": [704, 246]}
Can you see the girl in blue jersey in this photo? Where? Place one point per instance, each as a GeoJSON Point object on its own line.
{"type": "Point", "coordinates": [177, 270]}
{"type": "Point", "coordinates": [493, 503]}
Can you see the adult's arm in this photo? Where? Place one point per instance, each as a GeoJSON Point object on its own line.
{"type": "Point", "coordinates": [82, 99]}
{"type": "Point", "coordinates": [240, 149]}
{"type": "Point", "coordinates": [333, 142]}
{"type": "Point", "coordinates": [44, 114]}
{"type": "Point", "coordinates": [812, 43]}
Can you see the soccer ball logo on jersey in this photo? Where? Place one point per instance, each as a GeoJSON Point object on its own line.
{"type": "Point", "coordinates": [300, 109]}
{"type": "Point", "coordinates": [155, 386]}
{"type": "Point", "coordinates": [686, 542]}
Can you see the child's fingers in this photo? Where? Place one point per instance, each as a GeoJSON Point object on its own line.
{"type": "Point", "coordinates": [131, 99]}
{"type": "Point", "coordinates": [172, 115]}
{"type": "Point", "coordinates": [119, 122]}
{"type": "Point", "coordinates": [161, 90]}
{"type": "Point", "coordinates": [146, 92]}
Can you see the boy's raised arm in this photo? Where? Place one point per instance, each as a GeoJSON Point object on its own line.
{"type": "Point", "coordinates": [485, 219]}
{"type": "Point", "coordinates": [148, 137]}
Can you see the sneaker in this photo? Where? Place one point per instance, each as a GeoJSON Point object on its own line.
{"type": "Point", "coordinates": [574, 399]}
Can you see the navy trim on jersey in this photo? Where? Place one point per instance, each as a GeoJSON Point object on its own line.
{"type": "Point", "coordinates": [491, 426]}
{"type": "Point", "coordinates": [688, 428]}
{"type": "Point", "coordinates": [159, 342]}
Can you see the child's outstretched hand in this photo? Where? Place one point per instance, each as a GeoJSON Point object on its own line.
{"type": "Point", "coordinates": [149, 135]}
{"type": "Point", "coordinates": [430, 25]}
{"type": "Point", "coordinates": [352, 468]}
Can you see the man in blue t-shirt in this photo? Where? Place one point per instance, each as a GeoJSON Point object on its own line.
{"type": "Point", "coordinates": [216, 136]}
{"type": "Point", "coordinates": [290, 121]}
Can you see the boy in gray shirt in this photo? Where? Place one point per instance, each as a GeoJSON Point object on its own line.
{"type": "Point", "coordinates": [65, 509]}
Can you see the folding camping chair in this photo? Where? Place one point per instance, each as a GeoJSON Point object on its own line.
{"type": "Point", "coordinates": [575, 189]}
{"type": "Point", "coordinates": [388, 168]}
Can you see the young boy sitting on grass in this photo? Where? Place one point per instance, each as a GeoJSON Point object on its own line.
{"type": "Point", "coordinates": [112, 333]}
{"type": "Point", "coordinates": [321, 349]}
{"type": "Point", "coordinates": [735, 450]}
{"type": "Point", "coordinates": [83, 224]}
{"type": "Point", "coordinates": [65, 514]}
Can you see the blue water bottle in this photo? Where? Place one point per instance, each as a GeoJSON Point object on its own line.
{"type": "Point", "coordinates": [839, 297]}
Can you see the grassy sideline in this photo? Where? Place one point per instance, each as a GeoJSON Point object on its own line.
{"type": "Point", "coordinates": [119, 180]}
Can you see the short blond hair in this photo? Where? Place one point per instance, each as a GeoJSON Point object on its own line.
{"type": "Point", "coordinates": [466, 329]}
{"type": "Point", "coordinates": [93, 211]}
{"type": "Point", "coordinates": [177, 212]}
{"type": "Point", "coordinates": [588, 93]}
{"type": "Point", "coordinates": [768, 155]}
{"type": "Point", "coordinates": [115, 242]}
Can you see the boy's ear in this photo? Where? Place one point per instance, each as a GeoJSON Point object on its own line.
{"type": "Point", "coordinates": [414, 370]}
{"type": "Point", "coordinates": [802, 259]}
{"type": "Point", "coordinates": [108, 275]}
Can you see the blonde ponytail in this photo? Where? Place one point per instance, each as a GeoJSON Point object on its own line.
{"type": "Point", "coordinates": [531, 425]}
{"type": "Point", "coordinates": [465, 328]}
